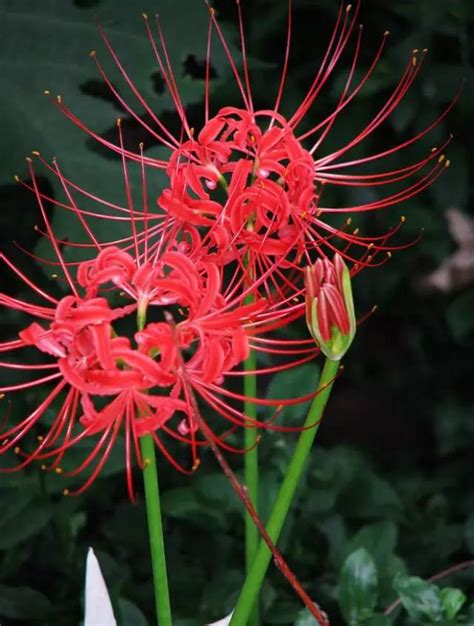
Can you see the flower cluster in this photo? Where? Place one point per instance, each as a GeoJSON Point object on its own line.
{"type": "Point", "coordinates": [209, 273]}
{"type": "Point", "coordinates": [142, 382]}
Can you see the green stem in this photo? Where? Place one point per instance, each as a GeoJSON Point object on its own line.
{"type": "Point", "coordinates": [251, 471]}
{"type": "Point", "coordinates": [251, 457]}
{"type": "Point", "coordinates": [155, 531]}
{"type": "Point", "coordinates": [285, 496]}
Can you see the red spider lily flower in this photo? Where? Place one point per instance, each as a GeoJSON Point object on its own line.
{"type": "Point", "coordinates": [104, 383]}
{"type": "Point", "coordinates": [330, 313]}
{"type": "Point", "coordinates": [274, 174]}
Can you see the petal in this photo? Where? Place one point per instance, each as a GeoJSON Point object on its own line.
{"type": "Point", "coordinates": [98, 606]}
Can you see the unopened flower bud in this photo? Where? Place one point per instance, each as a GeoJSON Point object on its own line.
{"type": "Point", "coordinates": [330, 307]}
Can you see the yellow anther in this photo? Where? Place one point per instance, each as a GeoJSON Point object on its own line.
{"type": "Point", "coordinates": [441, 158]}
{"type": "Point", "coordinates": [40, 438]}
{"type": "Point", "coordinates": [348, 8]}
{"type": "Point", "coordinates": [369, 258]}
{"type": "Point", "coordinates": [140, 145]}
{"type": "Point", "coordinates": [92, 53]}
{"type": "Point", "coordinates": [448, 163]}
{"type": "Point", "coordinates": [145, 16]}
{"type": "Point", "coordinates": [389, 254]}
{"type": "Point", "coordinates": [122, 293]}
{"type": "Point", "coordinates": [370, 246]}
{"type": "Point", "coordinates": [35, 152]}
{"type": "Point", "coordinates": [119, 121]}
{"type": "Point", "coordinates": [16, 178]}
{"type": "Point", "coordinates": [17, 450]}
{"type": "Point", "coordinates": [47, 92]}
{"type": "Point", "coordinates": [415, 50]}
{"type": "Point", "coordinates": [44, 467]}
{"type": "Point", "coordinates": [146, 463]}
{"type": "Point", "coordinates": [434, 149]}
{"type": "Point", "coordinates": [2, 395]}
{"type": "Point", "coordinates": [355, 231]}
{"type": "Point", "coordinates": [386, 33]}
{"type": "Point", "coordinates": [425, 50]}
{"type": "Point", "coordinates": [65, 492]}
{"type": "Point", "coordinates": [196, 464]}
{"type": "Point", "coordinates": [58, 470]}
{"type": "Point", "coordinates": [403, 218]}
{"type": "Point", "coordinates": [191, 132]}
{"type": "Point", "coordinates": [349, 221]}
{"type": "Point", "coordinates": [374, 308]}
{"type": "Point", "coordinates": [28, 159]}
{"type": "Point", "coordinates": [54, 275]}
{"type": "Point", "coordinates": [59, 99]}
{"type": "Point", "coordinates": [413, 61]}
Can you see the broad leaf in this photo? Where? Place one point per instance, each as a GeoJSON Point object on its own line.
{"type": "Point", "coordinates": [358, 586]}
{"type": "Point", "coordinates": [421, 599]}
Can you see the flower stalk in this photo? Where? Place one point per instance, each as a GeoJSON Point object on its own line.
{"type": "Point", "coordinates": [154, 518]}
{"type": "Point", "coordinates": [155, 531]}
{"type": "Point", "coordinates": [251, 473]}
{"type": "Point", "coordinates": [255, 577]}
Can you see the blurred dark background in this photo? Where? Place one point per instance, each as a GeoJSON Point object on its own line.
{"type": "Point", "coordinates": [393, 466]}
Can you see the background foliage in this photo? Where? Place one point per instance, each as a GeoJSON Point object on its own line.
{"type": "Point", "coordinates": [388, 495]}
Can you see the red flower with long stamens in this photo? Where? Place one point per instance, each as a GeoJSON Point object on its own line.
{"type": "Point", "coordinates": [274, 174]}
{"type": "Point", "coordinates": [105, 383]}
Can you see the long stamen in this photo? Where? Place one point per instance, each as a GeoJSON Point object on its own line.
{"type": "Point", "coordinates": [49, 229]}
{"type": "Point", "coordinates": [284, 72]}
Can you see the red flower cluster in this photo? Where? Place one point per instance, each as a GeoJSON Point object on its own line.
{"type": "Point", "coordinates": [146, 380]}
{"type": "Point", "coordinates": [219, 263]}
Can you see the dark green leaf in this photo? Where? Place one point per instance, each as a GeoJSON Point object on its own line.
{"type": "Point", "coordinates": [297, 381]}
{"type": "Point", "coordinates": [23, 603]}
{"type": "Point", "coordinates": [420, 598]}
{"type": "Point", "coordinates": [370, 496]}
{"type": "Point", "coordinates": [378, 620]}
{"type": "Point", "coordinates": [452, 601]}
{"type": "Point", "coordinates": [29, 522]}
{"type": "Point", "coordinates": [358, 586]}
{"type": "Point", "coordinates": [470, 615]}
{"type": "Point", "coordinates": [379, 539]}
{"type": "Point", "coordinates": [180, 502]}
{"type": "Point", "coordinates": [215, 490]}
{"type": "Point", "coordinates": [130, 614]}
